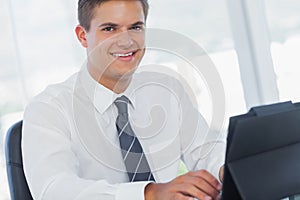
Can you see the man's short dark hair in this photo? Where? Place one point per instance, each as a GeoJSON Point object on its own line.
{"type": "Point", "coordinates": [86, 10]}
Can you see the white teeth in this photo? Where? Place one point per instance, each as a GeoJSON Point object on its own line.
{"type": "Point", "coordinates": [122, 55]}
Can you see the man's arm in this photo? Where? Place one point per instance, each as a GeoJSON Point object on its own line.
{"type": "Point", "coordinates": [202, 147]}
{"type": "Point", "coordinates": [51, 167]}
{"type": "Point", "coordinates": [203, 152]}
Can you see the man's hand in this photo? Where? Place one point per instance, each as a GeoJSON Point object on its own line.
{"type": "Point", "coordinates": [221, 174]}
{"type": "Point", "coordinates": [199, 184]}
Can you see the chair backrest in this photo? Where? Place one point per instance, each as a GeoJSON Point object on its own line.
{"type": "Point", "coordinates": [16, 179]}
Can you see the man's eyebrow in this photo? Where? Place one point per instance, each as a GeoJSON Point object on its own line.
{"type": "Point", "coordinates": [108, 24]}
{"type": "Point", "coordinates": [138, 23]}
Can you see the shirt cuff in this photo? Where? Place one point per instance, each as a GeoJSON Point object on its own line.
{"type": "Point", "coordinates": [216, 169]}
{"type": "Point", "coordinates": [133, 191]}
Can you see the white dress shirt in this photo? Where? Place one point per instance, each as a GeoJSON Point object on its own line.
{"type": "Point", "coordinates": [71, 148]}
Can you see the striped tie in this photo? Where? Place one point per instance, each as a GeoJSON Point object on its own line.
{"type": "Point", "coordinates": [134, 158]}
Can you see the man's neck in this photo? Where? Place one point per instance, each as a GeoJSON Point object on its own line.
{"type": "Point", "coordinates": [117, 85]}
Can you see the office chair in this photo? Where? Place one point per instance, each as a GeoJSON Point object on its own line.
{"type": "Point", "coordinates": [16, 179]}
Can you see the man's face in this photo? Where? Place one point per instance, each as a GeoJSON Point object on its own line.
{"type": "Point", "coordinates": [115, 41]}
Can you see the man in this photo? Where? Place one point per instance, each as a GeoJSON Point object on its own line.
{"type": "Point", "coordinates": [73, 135]}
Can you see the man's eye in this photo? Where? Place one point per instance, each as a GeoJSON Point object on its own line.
{"type": "Point", "coordinates": [108, 29]}
{"type": "Point", "coordinates": [137, 28]}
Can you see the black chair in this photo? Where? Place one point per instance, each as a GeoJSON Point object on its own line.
{"type": "Point", "coordinates": [16, 179]}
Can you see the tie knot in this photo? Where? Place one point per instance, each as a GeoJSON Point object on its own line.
{"type": "Point", "coordinates": [122, 104]}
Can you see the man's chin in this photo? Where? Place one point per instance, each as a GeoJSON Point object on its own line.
{"type": "Point", "coordinates": [126, 74]}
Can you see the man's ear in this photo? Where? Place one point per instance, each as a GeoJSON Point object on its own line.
{"type": "Point", "coordinates": [81, 35]}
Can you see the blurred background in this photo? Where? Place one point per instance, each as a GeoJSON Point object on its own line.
{"type": "Point", "coordinates": [254, 44]}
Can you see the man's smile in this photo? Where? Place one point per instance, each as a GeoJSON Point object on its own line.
{"type": "Point", "coordinates": [124, 56]}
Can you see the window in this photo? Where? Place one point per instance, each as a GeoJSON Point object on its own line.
{"type": "Point", "coordinates": [284, 24]}
{"type": "Point", "coordinates": [209, 26]}
{"type": "Point", "coordinates": [38, 47]}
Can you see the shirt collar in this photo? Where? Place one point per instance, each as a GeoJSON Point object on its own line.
{"type": "Point", "coordinates": [101, 96]}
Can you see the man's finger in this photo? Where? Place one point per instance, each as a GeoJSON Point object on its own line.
{"type": "Point", "coordinates": [209, 178]}
{"type": "Point", "coordinates": [196, 187]}
{"type": "Point", "coordinates": [191, 191]}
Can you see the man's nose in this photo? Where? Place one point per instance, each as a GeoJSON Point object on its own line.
{"type": "Point", "coordinates": [125, 40]}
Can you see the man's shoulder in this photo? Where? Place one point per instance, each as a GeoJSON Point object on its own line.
{"type": "Point", "coordinates": [57, 92]}
{"type": "Point", "coordinates": [156, 77]}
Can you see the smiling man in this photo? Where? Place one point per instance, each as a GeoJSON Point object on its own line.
{"type": "Point", "coordinates": [114, 39]}
{"type": "Point", "coordinates": [107, 133]}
